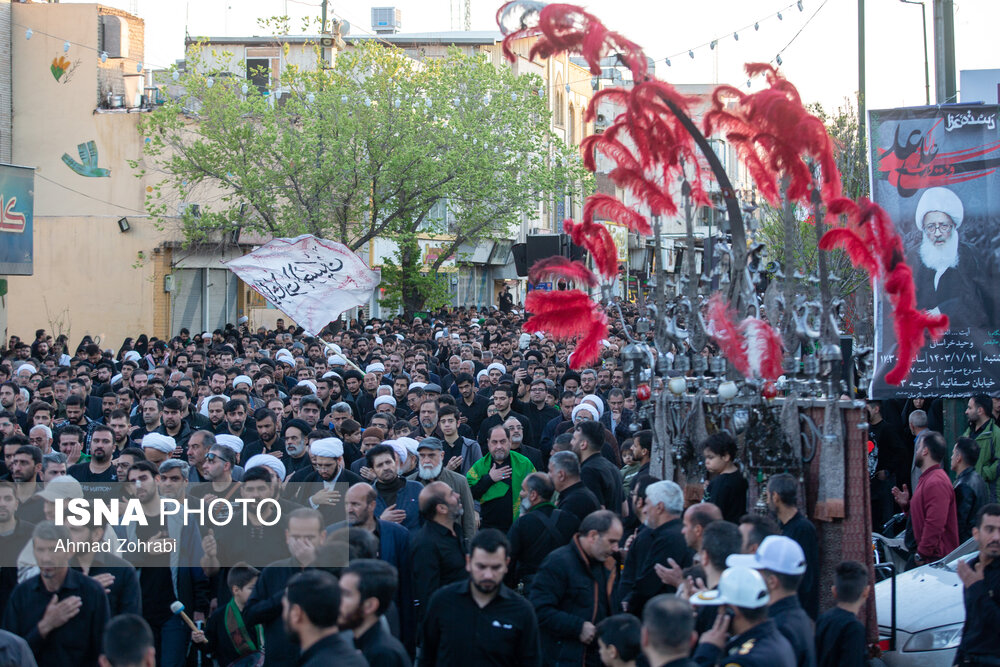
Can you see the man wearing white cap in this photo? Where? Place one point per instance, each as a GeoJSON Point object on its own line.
{"type": "Point", "coordinates": [755, 641]}
{"type": "Point", "coordinates": [158, 447]}
{"type": "Point", "coordinates": [316, 486]}
{"type": "Point", "coordinates": [951, 277]}
{"type": "Point", "coordinates": [781, 561]}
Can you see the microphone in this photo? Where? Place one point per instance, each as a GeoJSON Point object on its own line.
{"type": "Point", "coordinates": [177, 607]}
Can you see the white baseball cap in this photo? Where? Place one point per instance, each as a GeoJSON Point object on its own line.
{"type": "Point", "coordinates": [776, 553]}
{"type": "Point", "coordinates": [738, 586]}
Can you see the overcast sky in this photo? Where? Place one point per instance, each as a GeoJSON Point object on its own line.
{"type": "Point", "coordinates": [822, 60]}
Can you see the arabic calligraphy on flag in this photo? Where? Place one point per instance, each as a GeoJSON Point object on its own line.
{"type": "Point", "coordinates": [311, 280]}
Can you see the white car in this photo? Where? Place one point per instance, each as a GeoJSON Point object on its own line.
{"type": "Point", "coordinates": [930, 612]}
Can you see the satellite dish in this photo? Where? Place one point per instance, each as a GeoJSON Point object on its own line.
{"type": "Point", "coordinates": [345, 28]}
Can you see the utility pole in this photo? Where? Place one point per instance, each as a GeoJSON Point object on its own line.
{"type": "Point", "coordinates": [468, 15]}
{"type": "Point", "coordinates": [945, 84]}
{"type": "Point", "coordinates": [862, 103]}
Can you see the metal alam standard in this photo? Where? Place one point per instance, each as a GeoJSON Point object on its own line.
{"type": "Point", "coordinates": [780, 371]}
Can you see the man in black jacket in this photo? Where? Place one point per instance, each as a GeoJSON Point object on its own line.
{"type": "Point", "coordinates": [571, 591]}
{"type": "Point", "coordinates": [310, 610]}
{"type": "Point", "coordinates": [437, 552]}
{"type": "Point", "coordinates": [540, 530]}
{"type": "Point", "coordinates": [971, 492]}
{"type": "Point", "coordinates": [598, 473]}
{"type": "Point", "coordinates": [315, 487]}
{"type": "Point", "coordinates": [367, 588]}
{"type": "Point", "coordinates": [668, 631]}
{"type": "Point", "coordinates": [304, 536]}
{"type": "Point", "coordinates": [574, 497]}
{"type": "Point", "coordinates": [663, 510]}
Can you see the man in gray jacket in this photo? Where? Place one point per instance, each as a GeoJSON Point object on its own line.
{"type": "Point", "coordinates": [432, 469]}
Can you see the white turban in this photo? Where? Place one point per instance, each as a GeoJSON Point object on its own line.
{"type": "Point", "coordinates": [943, 200]}
{"type": "Point", "coordinates": [283, 352]}
{"type": "Point", "coordinates": [160, 442]}
{"type": "Point", "coordinates": [417, 385]}
{"type": "Point", "coordinates": [337, 360]}
{"type": "Point", "coordinates": [438, 334]}
{"type": "Point", "coordinates": [382, 400]}
{"type": "Point", "coordinates": [230, 441]}
{"type": "Point", "coordinates": [597, 402]}
{"type": "Point", "coordinates": [375, 368]}
{"type": "Point", "coordinates": [242, 379]}
{"type": "Point", "coordinates": [400, 337]}
{"type": "Point", "coordinates": [331, 448]}
{"type": "Point", "coordinates": [409, 443]}
{"type": "Point", "coordinates": [206, 335]}
{"type": "Point", "coordinates": [481, 374]}
{"type": "Point", "coordinates": [332, 374]}
{"type": "Point", "coordinates": [524, 341]}
{"type": "Point", "coordinates": [116, 379]}
{"type": "Point", "coordinates": [307, 383]}
{"type": "Point", "coordinates": [498, 366]}
{"type": "Point", "coordinates": [26, 367]}
{"type": "Point", "coordinates": [588, 407]}
{"type": "Point", "coordinates": [132, 355]}
{"type": "Point", "coordinates": [400, 448]}
{"type": "Point", "coordinates": [268, 461]}
{"type": "Point", "coordinates": [378, 340]}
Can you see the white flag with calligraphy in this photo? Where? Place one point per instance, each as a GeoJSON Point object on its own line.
{"type": "Point", "coordinates": [309, 279]}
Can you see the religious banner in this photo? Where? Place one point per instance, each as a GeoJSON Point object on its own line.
{"type": "Point", "coordinates": [309, 279]}
{"type": "Point", "coordinates": [17, 207]}
{"type": "Point", "coordinates": [935, 171]}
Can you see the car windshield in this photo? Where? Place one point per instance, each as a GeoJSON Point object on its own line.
{"type": "Point", "coordinates": [965, 551]}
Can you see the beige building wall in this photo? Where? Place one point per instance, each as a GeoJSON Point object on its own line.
{"type": "Point", "coordinates": [89, 278]}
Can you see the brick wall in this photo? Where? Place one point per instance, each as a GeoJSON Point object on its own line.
{"type": "Point", "coordinates": [161, 300]}
{"type": "Point", "coordinates": [111, 74]}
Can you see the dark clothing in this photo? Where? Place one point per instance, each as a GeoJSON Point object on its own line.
{"type": "Point", "coordinates": [538, 419]}
{"type": "Point", "coordinates": [220, 644]}
{"type": "Point", "coordinates": [728, 491]}
{"type": "Point", "coordinates": [124, 596]}
{"type": "Point", "coordinates": [438, 558]}
{"type": "Point", "coordinates": [475, 413]}
{"type": "Point", "coordinates": [467, 448]}
{"type": "Point", "coordinates": [309, 483]}
{"type": "Point", "coordinates": [680, 662]}
{"type": "Point", "coordinates": [458, 632]}
{"type": "Point", "coordinates": [803, 531]}
{"type": "Point", "coordinates": [982, 615]}
{"type": "Point", "coordinates": [579, 500]}
{"type": "Point", "coordinates": [78, 641]}
{"type": "Point", "coordinates": [797, 628]}
{"type": "Point", "coordinates": [264, 609]}
{"type": "Point", "coordinates": [81, 473]}
{"type": "Point", "coordinates": [633, 558]}
{"type": "Point", "coordinates": [11, 545]}
{"type": "Point", "coordinates": [497, 420]}
{"type": "Point", "coordinates": [760, 646]}
{"type": "Point", "coordinates": [568, 590]}
{"type": "Point", "coordinates": [840, 639]}
{"type": "Point", "coordinates": [966, 293]}
{"type": "Point", "coordinates": [255, 447]}
{"type": "Point", "coordinates": [404, 494]}
{"type": "Point", "coordinates": [666, 542]}
{"type": "Point", "coordinates": [381, 649]}
{"type": "Point", "coordinates": [605, 480]}
{"type": "Point", "coordinates": [537, 533]}
{"type": "Point", "coordinates": [971, 493]}
{"type": "Point", "coordinates": [532, 454]}
{"type": "Point", "coordinates": [335, 649]}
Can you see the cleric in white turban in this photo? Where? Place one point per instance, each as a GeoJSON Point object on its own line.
{"type": "Point", "coordinates": [954, 270]}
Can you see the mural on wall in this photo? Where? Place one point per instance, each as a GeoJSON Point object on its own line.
{"type": "Point", "coordinates": [62, 68]}
{"type": "Point", "coordinates": [87, 166]}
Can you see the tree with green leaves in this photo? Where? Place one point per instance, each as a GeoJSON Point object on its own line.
{"type": "Point", "coordinates": [368, 148]}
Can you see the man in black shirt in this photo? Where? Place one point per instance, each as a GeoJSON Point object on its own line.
{"type": "Point", "coordinates": [481, 621]}
{"type": "Point", "coordinates": [60, 612]}
{"type": "Point", "coordinates": [540, 530]}
{"type": "Point", "coordinates": [538, 411]}
{"type": "Point", "coordinates": [663, 509]}
{"type": "Point", "coordinates": [598, 473]}
{"type": "Point", "coordinates": [126, 638]}
{"type": "Point", "coordinates": [981, 578]}
{"type": "Point", "coordinates": [471, 405]}
{"type": "Point", "coordinates": [436, 550]}
{"type": "Point", "coordinates": [367, 588]}
{"type": "Point", "coordinates": [310, 609]}
{"type": "Point", "coordinates": [574, 497]}
{"type": "Point", "coordinates": [493, 480]}
{"type": "Point", "coordinates": [782, 492]}
{"type": "Point", "coordinates": [14, 534]}
{"type": "Point", "coordinates": [116, 575]}
{"type": "Point", "coordinates": [888, 455]}
{"type": "Point", "coordinates": [668, 623]}
{"type": "Point", "coordinates": [100, 468]}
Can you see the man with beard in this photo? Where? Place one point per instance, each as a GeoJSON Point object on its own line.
{"type": "Point", "coordinates": [431, 468]}
{"type": "Point", "coordinates": [437, 552]}
{"type": "Point", "coordinates": [59, 611]}
{"type": "Point", "coordinates": [174, 424]}
{"type": "Point", "coordinates": [460, 453]}
{"type": "Point", "coordinates": [99, 468]}
{"type": "Point", "coordinates": [14, 534]}
{"type": "Point", "coordinates": [25, 467]}
{"type": "Point", "coordinates": [984, 430]}
{"type": "Point", "coordinates": [397, 496]}
{"type": "Point", "coordinates": [663, 512]}
{"type": "Point", "coordinates": [981, 578]}
{"type": "Point", "coordinates": [517, 443]}
{"type": "Point", "coordinates": [540, 530]}
{"type": "Point", "coordinates": [294, 433]}
{"type": "Point", "coordinates": [481, 620]}
{"type": "Point", "coordinates": [316, 487]}
{"type": "Point", "coordinates": [951, 277]}
{"type": "Point", "coordinates": [367, 587]}
{"type": "Point", "coordinates": [116, 575]}
{"type": "Point", "coordinates": [310, 610]}
{"type": "Point", "coordinates": [427, 419]}
{"type": "Point", "coordinates": [121, 428]}
{"type": "Point", "coordinates": [493, 478]}
{"type": "Point", "coordinates": [267, 441]}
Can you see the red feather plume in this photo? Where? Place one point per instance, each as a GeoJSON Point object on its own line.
{"type": "Point", "coordinates": [774, 134]}
{"type": "Point", "coordinates": [596, 239]}
{"type": "Point", "coordinates": [872, 243]}
{"type": "Point", "coordinates": [725, 332]}
{"type": "Point", "coordinates": [561, 268]}
{"type": "Point", "coordinates": [612, 209]}
{"type": "Point", "coordinates": [567, 315]}
{"type": "Point", "coordinates": [751, 345]}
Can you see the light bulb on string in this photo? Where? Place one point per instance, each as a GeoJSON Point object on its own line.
{"type": "Point", "coordinates": [777, 59]}
{"type": "Point", "coordinates": [780, 17]}
{"type": "Point", "coordinates": [799, 5]}
{"type": "Point", "coordinates": [343, 99]}
{"type": "Point", "coordinates": [245, 89]}
{"type": "Point", "coordinates": [748, 83]}
{"type": "Point", "coordinates": [667, 61]}
{"type": "Point", "coordinates": [311, 97]}
{"type": "Point", "coordinates": [756, 26]}
{"type": "Point", "coordinates": [736, 36]}
{"type": "Point", "coordinates": [104, 56]}
{"type": "Point", "coordinates": [28, 33]}
{"type": "Point", "coordinates": [138, 68]}
{"type": "Point", "coordinates": [209, 82]}
{"type": "Point", "coordinates": [66, 46]}
{"type": "Point", "coordinates": [176, 75]}
{"type": "Point", "coordinates": [691, 53]}
{"type": "Point", "coordinates": [397, 103]}
{"type": "Point", "coordinates": [513, 97]}
{"type": "Point", "coordinates": [712, 45]}
{"type": "Point", "coordinates": [368, 102]}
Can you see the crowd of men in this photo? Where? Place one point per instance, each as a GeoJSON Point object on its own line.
{"type": "Point", "coordinates": [494, 507]}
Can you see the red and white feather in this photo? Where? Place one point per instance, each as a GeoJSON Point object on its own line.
{"type": "Point", "coordinates": [753, 348]}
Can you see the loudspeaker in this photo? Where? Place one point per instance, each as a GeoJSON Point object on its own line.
{"type": "Point", "coordinates": [572, 250]}
{"type": "Point", "coordinates": [520, 251]}
{"type": "Point", "coordinates": [542, 246]}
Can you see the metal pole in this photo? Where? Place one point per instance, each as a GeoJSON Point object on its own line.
{"type": "Point", "coordinates": [927, 72]}
{"type": "Point", "coordinates": [945, 87]}
{"type": "Point", "coordinates": [861, 72]}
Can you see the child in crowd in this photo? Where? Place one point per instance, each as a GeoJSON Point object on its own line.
{"type": "Point", "coordinates": [727, 487]}
{"type": "Point", "coordinates": [226, 638]}
{"type": "Point", "coordinates": [840, 636]}
{"type": "Point", "coordinates": [619, 641]}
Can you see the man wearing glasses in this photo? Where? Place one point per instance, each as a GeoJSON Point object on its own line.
{"type": "Point", "coordinates": [952, 277]}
